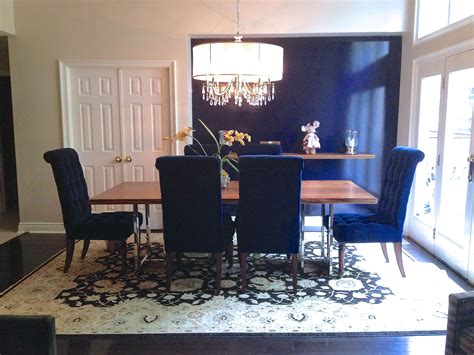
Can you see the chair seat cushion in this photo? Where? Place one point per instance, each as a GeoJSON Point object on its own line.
{"type": "Point", "coordinates": [357, 228]}
{"type": "Point", "coordinates": [466, 340]}
{"type": "Point", "coordinates": [105, 226]}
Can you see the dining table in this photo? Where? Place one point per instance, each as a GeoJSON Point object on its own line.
{"type": "Point", "coordinates": [323, 192]}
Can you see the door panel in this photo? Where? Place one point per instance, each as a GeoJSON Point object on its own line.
{"type": "Point", "coordinates": [429, 83]}
{"type": "Point", "coordinates": [146, 120]}
{"type": "Point", "coordinates": [96, 127]}
{"type": "Point", "coordinates": [455, 211]}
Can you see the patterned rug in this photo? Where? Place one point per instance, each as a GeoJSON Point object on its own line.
{"type": "Point", "coordinates": [93, 298]}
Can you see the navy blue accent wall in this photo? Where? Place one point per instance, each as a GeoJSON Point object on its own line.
{"type": "Point", "coordinates": [343, 82]}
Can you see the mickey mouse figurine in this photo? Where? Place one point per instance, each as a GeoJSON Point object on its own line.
{"type": "Point", "coordinates": [311, 140]}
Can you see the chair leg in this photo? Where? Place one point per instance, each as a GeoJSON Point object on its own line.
{"type": "Point", "coordinates": [229, 253]}
{"type": "Point", "coordinates": [342, 248]}
{"type": "Point", "coordinates": [384, 251]}
{"type": "Point", "coordinates": [169, 269]}
{"type": "Point", "coordinates": [179, 259]}
{"type": "Point", "coordinates": [243, 270]}
{"type": "Point", "coordinates": [398, 255]}
{"type": "Point", "coordinates": [85, 248]}
{"type": "Point", "coordinates": [69, 253]}
{"type": "Point", "coordinates": [123, 255]}
{"type": "Point", "coordinates": [294, 271]}
{"type": "Point", "coordinates": [218, 272]}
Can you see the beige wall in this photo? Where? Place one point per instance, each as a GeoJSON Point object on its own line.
{"type": "Point", "coordinates": [7, 23]}
{"type": "Point", "coordinates": [52, 30]}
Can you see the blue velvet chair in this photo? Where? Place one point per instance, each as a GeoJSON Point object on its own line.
{"type": "Point", "coordinates": [387, 224]}
{"type": "Point", "coordinates": [79, 221]}
{"type": "Point", "coordinates": [257, 149]}
{"type": "Point", "coordinates": [192, 209]}
{"type": "Point", "coordinates": [268, 220]}
{"type": "Point", "coordinates": [209, 148]}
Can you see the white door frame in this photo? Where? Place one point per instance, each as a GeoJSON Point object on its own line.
{"type": "Point", "coordinates": [65, 67]}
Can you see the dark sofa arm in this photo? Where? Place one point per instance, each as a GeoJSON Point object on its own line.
{"type": "Point", "coordinates": [460, 316]}
{"type": "Point", "coordinates": [27, 335]}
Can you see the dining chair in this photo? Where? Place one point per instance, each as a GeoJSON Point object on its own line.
{"type": "Point", "coordinates": [257, 149]}
{"type": "Point", "coordinates": [229, 210]}
{"type": "Point", "coordinates": [268, 219]}
{"type": "Point", "coordinates": [209, 149]}
{"type": "Point", "coordinates": [79, 221]}
{"type": "Point", "coordinates": [192, 209]}
{"type": "Point", "coordinates": [386, 226]}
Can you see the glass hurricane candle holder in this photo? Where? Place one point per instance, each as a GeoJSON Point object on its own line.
{"type": "Point", "coordinates": [351, 139]}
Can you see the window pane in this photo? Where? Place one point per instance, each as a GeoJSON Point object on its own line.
{"type": "Point", "coordinates": [456, 151]}
{"type": "Point", "coordinates": [428, 143]}
{"type": "Point", "coordinates": [432, 16]}
{"type": "Point", "coordinates": [460, 9]}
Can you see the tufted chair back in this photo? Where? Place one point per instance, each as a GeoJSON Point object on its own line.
{"type": "Point", "coordinates": [397, 184]}
{"type": "Point", "coordinates": [191, 200]}
{"type": "Point", "coordinates": [269, 204]}
{"type": "Point", "coordinates": [71, 185]}
{"type": "Point", "coordinates": [210, 148]}
{"type": "Point", "coordinates": [257, 149]}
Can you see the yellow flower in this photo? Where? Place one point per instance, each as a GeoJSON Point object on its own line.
{"type": "Point", "coordinates": [249, 139]}
{"type": "Point", "coordinates": [228, 136]}
{"type": "Point", "coordinates": [239, 137]}
{"type": "Point", "coordinates": [182, 134]}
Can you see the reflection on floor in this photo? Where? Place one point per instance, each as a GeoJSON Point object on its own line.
{"type": "Point", "coordinates": [8, 226]}
{"type": "Point", "coordinates": [23, 254]}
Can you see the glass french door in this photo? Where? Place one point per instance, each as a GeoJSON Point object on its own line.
{"type": "Point", "coordinates": [444, 191]}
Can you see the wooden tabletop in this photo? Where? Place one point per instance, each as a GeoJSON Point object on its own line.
{"type": "Point", "coordinates": [329, 156]}
{"type": "Point", "coordinates": [312, 191]}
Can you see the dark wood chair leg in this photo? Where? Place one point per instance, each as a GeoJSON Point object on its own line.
{"type": "Point", "coordinates": [69, 253]}
{"type": "Point", "coordinates": [294, 271]}
{"type": "Point", "coordinates": [342, 248]}
{"type": "Point", "coordinates": [169, 270]}
{"type": "Point", "coordinates": [123, 255]}
{"type": "Point", "coordinates": [218, 272]}
{"type": "Point", "coordinates": [398, 255]}
{"type": "Point", "coordinates": [229, 254]}
{"type": "Point", "coordinates": [384, 251]}
{"type": "Point", "coordinates": [243, 270]}
{"type": "Point", "coordinates": [85, 248]}
{"type": "Point", "coordinates": [179, 259]}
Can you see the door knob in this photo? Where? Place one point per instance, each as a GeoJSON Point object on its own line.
{"type": "Point", "coordinates": [128, 158]}
{"type": "Point", "coordinates": [118, 159]}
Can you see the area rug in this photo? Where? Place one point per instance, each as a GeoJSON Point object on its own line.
{"type": "Point", "coordinates": [93, 298]}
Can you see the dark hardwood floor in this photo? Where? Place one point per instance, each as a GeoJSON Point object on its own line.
{"type": "Point", "coordinates": [21, 255]}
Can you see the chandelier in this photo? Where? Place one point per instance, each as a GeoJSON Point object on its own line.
{"type": "Point", "coordinates": [238, 70]}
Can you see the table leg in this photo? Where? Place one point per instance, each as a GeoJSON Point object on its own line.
{"type": "Point", "coordinates": [330, 232]}
{"type": "Point", "coordinates": [302, 237]}
{"type": "Point", "coordinates": [148, 230]}
{"type": "Point", "coordinates": [323, 230]}
{"type": "Point", "coordinates": [136, 235]}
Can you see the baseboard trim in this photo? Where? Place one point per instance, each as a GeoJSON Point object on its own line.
{"type": "Point", "coordinates": [41, 227]}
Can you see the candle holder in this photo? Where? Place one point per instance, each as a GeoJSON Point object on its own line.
{"type": "Point", "coordinates": [351, 140]}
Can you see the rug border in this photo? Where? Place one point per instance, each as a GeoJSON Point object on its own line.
{"type": "Point", "coordinates": [272, 334]}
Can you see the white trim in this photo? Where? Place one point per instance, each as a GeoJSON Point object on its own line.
{"type": "Point", "coordinates": [447, 29]}
{"type": "Point", "coordinates": [64, 75]}
{"type": "Point", "coordinates": [442, 54]}
{"type": "Point", "coordinates": [41, 227]}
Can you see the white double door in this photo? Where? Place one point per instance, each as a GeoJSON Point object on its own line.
{"type": "Point", "coordinates": [118, 118]}
{"type": "Point", "coordinates": [443, 212]}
